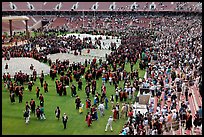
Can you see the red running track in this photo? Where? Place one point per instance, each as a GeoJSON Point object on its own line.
{"type": "Point", "coordinates": [197, 95]}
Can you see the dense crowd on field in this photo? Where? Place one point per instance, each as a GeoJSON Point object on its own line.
{"type": "Point", "coordinates": [170, 51]}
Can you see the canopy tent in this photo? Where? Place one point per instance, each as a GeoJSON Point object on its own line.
{"type": "Point", "coordinates": [10, 19]}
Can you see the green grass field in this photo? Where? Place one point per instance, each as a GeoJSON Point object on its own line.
{"type": "Point", "coordinates": [13, 122]}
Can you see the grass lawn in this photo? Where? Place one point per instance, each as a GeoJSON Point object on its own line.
{"type": "Point", "coordinates": [13, 121]}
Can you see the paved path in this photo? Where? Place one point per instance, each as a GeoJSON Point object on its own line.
{"type": "Point", "coordinates": [23, 64]}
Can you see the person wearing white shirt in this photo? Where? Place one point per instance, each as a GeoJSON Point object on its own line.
{"type": "Point", "coordinates": [183, 87]}
{"type": "Point", "coordinates": [128, 90]}
{"type": "Point", "coordinates": [154, 132]}
{"type": "Point", "coordinates": [133, 92]}
{"type": "Point", "coordinates": [158, 108]}
{"type": "Point", "coordinates": [145, 123]}
{"type": "Point", "coordinates": [101, 108]}
{"type": "Point", "coordinates": [151, 108]}
{"type": "Point", "coordinates": [174, 116]}
{"type": "Point", "coordinates": [116, 95]}
{"type": "Point", "coordinates": [127, 129]}
{"type": "Point", "coordinates": [161, 119]}
{"type": "Point", "coordinates": [110, 121]}
{"type": "Point", "coordinates": [110, 80]}
{"type": "Point", "coordinates": [164, 110]}
{"type": "Point", "coordinates": [177, 80]}
{"type": "Point", "coordinates": [121, 75]}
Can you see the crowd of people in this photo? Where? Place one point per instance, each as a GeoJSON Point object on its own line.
{"type": "Point", "coordinates": [170, 52]}
{"type": "Point", "coordinates": [175, 67]}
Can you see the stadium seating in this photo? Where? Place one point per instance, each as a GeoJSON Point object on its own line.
{"type": "Point", "coordinates": [5, 26]}
{"type": "Point", "coordinates": [59, 22]}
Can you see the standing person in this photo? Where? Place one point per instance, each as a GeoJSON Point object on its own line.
{"type": "Point", "coordinates": [4, 78]}
{"type": "Point", "coordinates": [31, 67]}
{"type": "Point", "coordinates": [92, 112]}
{"type": "Point", "coordinates": [6, 66]}
{"type": "Point", "coordinates": [32, 105]}
{"type": "Point", "coordinates": [133, 92]}
{"type": "Point", "coordinates": [26, 116]}
{"type": "Point", "coordinates": [88, 103]}
{"type": "Point", "coordinates": [30, 85]}
{"type": "Point", "coordinates": [186, 93]}
{"type": "Point", "coordinates": [88, 119]}
{"type": "Point", "coordinates": [106, 102]}
{"type": "Point", "coordinates": [64, 120]}
{"type": "Point", "coordinates": [38, 112]}
{"type": "Point", "coordinates": [121, 95]}
{"type": "Point", "coordinates": [42, 74]}
{"type": "Point", "coordinates": [12, 97]}
{"type": "Point", "coordinates": [45, 87]}
{"type": "Point", "coordinates": [114, 113]}
{"type": "Point", "coordinates": [20, 95]}
{"type": "Point", "coordinates": [64, 90]}
{"type": "Point", "coordinates": [125, 95]}
{"type": "Point", "coordinates": [123, 110]}
{"type": "Point", "coordinates": [42, 113]}
{"type": "Point", "coordinates": [41, 98]}
{"type": "Point", "coordinates": [56, 85]}
{"type": "Point", "coordinates": [110, 80]}
{"type": "Point", "coordinates": [112, 99]}
{"type": "Point", "coordinates": [37, 92]}
{"type": "Point", "coordinates": [200, 113]}
{"type": "Point", "coordinates": [188, 121]}
{"type": "Point", "coordinates": [93, 87]}
{"type": "Point", "coordinates": [103, 89]}
{"type": "Point", "coordinates": [41, 81]}
{"type": "Point", "coordinates": [27, 113]}
{"type": "Point", "coordinates": [27, 107]}
{"type": "Point", "coordinates": [87, 90]}
{"type": "Point", "coordinates": [196, 120]}
{"type": "Point", "coordinates": [77, 102]}
{"type": "Point", "coordinates": [101, 109]}
{"type": "Point", "coordinates": [34, 75]}
{"type": "Point", "coordinates": [79, 85]}
{"type": "Point", "coordinates": [110, 121]}
{"type": "Point", "coordinates": [117, 106]}
{"type": "Point", "coordinates": [57, 112]}
{"type": "Point", "coordinates": [116, 95]}
{"type": "Point", "coordinates": [95, 112]}
{"type": "Point", "coordinates": [73, 90]}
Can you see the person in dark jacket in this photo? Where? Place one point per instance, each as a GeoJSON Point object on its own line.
{"type": "Point", "coordinates": [20, 95]}
{"type": "Point", "coordinates": [12, 97]}
{"type": "Point", "coordinates": [37, 92]}
{"type": "Point", "coordinates": [64, 120]}
{"type": "Point", "coordinates": [77, 101]}
{"type": "Point", "coordinates": [45, 87]}
{"type": "Point", "coordinates": [32, 105]}
{"type": "Point", "coordinates": [41, 81]}
{"type": "Point", "coordinates": [79, 85]}
{"type": "Point", "coordinates": [57, 112]}
{"type": "Point", "coordinates": [186, 93]}
{"type": "Point", "coordinates": [189, 121]}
